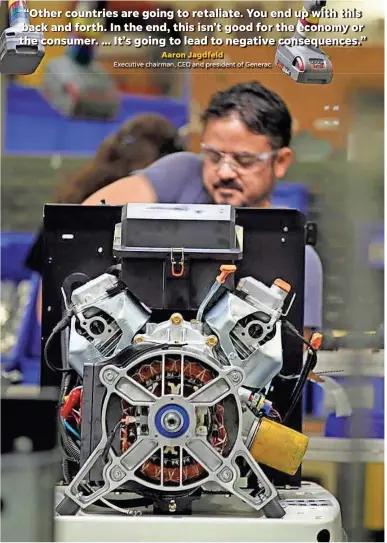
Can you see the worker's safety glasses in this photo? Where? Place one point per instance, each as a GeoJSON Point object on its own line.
{"type": "Point", "coordinates": [237, 161]}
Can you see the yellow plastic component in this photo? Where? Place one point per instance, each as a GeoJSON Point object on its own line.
{"type": "Point", "coordinates": [278, 447]}
{"type": "Point", "coordinates": [374, 497]}
{"type": "Point", "coordinates": [310, 19]}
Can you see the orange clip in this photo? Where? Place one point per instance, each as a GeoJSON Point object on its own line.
{"type": "Point", "coordinates": [282, 285]}
{"type": "Point", "coordinates": [225, 271]}
{"type": "Point", "coordinates": [316, 340]}
{"type": "Point", "coordinates": [178, 273]}
{"type": "Point", "coordinates": [315, 378]}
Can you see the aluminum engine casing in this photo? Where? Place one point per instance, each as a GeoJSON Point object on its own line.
{"type": "Point", "coordinates": [102, 309]}
{"type": "Point", "coordinates": [193, 454]}
{"type": "Point", "coordinates": [249, 329]}
{"type": "Point", "coordinates": [162, 411]}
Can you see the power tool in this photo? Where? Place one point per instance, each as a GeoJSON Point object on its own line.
{"type": "Point", "coordinates": [21, 48]}
{"type": "Point", "coordinates": [305, 64]}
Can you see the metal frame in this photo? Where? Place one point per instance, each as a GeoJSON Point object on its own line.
{"type": "Point", "coordinates": [345, 451]}
{"type": "Point", "coordinates": [273, 246]}
{"type": "Point", "coordinates": [340, 363]}
{"type": "Point", "coordinates": [222, 470]}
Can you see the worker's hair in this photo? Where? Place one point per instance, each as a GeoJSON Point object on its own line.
{"type": "Point", "coordinates": [136, 144]}
{"type": "Point", "coordinates": [260, 109]}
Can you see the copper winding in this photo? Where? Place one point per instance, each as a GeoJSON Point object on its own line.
{"type": "Point", "coordinates": [193, 371]}
{"type": "Point", "coordinates": [172, 475]}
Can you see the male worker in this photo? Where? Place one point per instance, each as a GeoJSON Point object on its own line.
{"type": "Point", "coordinates": [244, 151]}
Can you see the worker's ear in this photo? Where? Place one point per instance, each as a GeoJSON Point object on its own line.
{"type": "Point", "coordinates": [283, 159]}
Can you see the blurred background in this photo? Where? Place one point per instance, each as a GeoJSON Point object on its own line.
{"type": "Point", "coordinates": [54, 121]}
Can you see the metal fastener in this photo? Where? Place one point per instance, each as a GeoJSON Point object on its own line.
{"type": "Point", "coordinates": [236, 377]}
{"type": "Point", "coordinates": [117, 474]}
{"type": "Point", "coordinates": [172, 506]}
{"type": "Point", "coordinates": [176, 318]}
{"type": "Point", "coordinates": [109, 376]}
{"type": "Point", "coordinates": [225, 475]}
{"type": "Point", "coordinates": [212, 341]}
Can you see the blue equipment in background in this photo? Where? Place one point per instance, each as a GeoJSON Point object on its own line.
{"type": "Point", "coordinates": [58, 135]}
{"type": "Point", "coordinates": [291, 196]}
{"type": "Point", "coordinates": [25, 354]}
{"type": "Point", "coordinates": [374, 244]}
{"type": "Point", "coordinates": [366, 422]}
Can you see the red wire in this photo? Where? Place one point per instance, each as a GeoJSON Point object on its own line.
{"type": "Point", "coordinates": [276, 413]}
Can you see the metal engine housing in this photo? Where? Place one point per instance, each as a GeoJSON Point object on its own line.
{"type": "Point", "coordinates": [163, 404]}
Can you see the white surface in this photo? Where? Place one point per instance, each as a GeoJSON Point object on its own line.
{"type": "Point", "coordinates": [330, 449]}
{"type": "Point", "coordinates": [309, 510]}
{"type": "Point", "coordinates": [356, 369]}
{"type": "Point", "coordinates": [198, 212]}
{"type": "Point", "coordinates": [335, 397]}
{"type": "Point", "coordinates": [347, 362]}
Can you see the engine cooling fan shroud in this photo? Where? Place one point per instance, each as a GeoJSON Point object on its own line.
{"type": "Point", "coordinates": [180, 428]}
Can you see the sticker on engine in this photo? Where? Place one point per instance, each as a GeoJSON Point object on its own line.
{"type": "Point", "coordinates": [317, 64]}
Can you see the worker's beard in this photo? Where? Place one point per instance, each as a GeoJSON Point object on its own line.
{"type": "Point", "coordinates": [262, 201]}
{"type": "Point", "coordinates": [226, 198]}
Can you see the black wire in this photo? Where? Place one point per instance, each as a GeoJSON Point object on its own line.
{"type": "Point", "coordinates": [295, 332]}
{"type": "Point", "coordinates": [309, 366]}
{"type": "Point", "coordinates": [114, 270]}
{"type": "Point", "coordinates": [109, 442]}
{"type": "Point", "coordinates": [58, 328]}
{"type": "Point", "coordinates": [70, 448]}
{"type": "Point", "coordinates": [297, 391]}
{"type": "Point", "coordinates": [130, 503]}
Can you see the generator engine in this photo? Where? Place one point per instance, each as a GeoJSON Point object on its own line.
{"type": "Point", "coordinates": [161, 408]}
